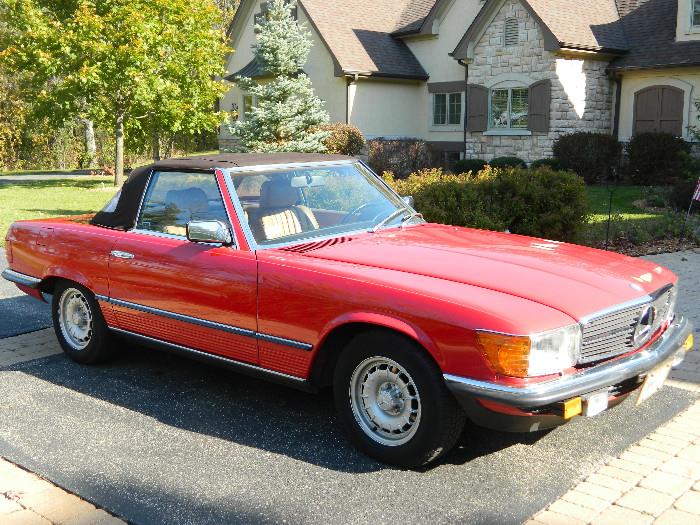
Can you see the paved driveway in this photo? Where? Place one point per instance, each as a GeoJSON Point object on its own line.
{"type": "Point", "coordinates": [157, 439]}
{"type": "Point", "coordinates": [19, 313]}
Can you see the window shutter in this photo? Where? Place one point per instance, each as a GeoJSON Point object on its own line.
{"type": "Point", "coordinates": [659, 108]}
{"type": "Point", "coordinates": [539, 102]}
{"type": "Point", "coordinates": [671, 111]}
{"type": "Point", "coordinates": [477, 107]}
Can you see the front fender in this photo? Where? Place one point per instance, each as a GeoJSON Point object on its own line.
{"type": "Point", "coordinates": [397, 324]}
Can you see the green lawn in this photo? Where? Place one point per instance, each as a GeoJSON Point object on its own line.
{"type": "Point", "coordinates": [53, 198]}
{"type": "Point", "coordinates": [622, 202]}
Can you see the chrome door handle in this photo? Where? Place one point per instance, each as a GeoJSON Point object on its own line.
{"type": "Point", "coordinates": [122, 255]}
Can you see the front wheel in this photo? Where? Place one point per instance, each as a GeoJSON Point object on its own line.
{"type": "Point", "coordinates": [392, 401]}
{"type": "Point", "coordinates": [80, 328]}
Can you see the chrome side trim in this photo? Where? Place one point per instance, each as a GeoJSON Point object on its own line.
{"type": "Point", "coordinates": [596, 377]}
{"type": "Point", "coordinates": [243, 366]}
{"type": "Point", "coordinates": [207, 324]}
{"type": "Point", "coordinates": [284, 341]}
{"type": "Point", "coordinates": [21, 278]}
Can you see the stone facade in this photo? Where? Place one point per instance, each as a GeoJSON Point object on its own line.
{"type": "Point", "coordinates": [582, 94]}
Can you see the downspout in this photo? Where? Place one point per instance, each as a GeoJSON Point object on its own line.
{"type": "Point", "coordinates": [618, 101]}
{"type": "Point", "coordinates": [464, 117]}
{"type": "Point", "coordinates": [349, 81]}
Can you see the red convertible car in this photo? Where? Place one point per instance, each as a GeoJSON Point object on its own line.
{"type": "Point", "coordinates": [309, 270]}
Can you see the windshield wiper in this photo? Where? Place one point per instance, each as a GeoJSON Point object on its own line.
{"type": "Point", "coordinates": [407, 218]}
{"type": "Point", "coordinates": [388, 218]}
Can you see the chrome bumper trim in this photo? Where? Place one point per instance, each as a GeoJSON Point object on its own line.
{"type": "Point", "coordinates": [20, 278]}
{"type": "Point", "coordinates": [596, 377]}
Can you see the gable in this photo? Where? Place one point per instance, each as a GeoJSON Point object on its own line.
{"type": "Point", "coordinates": [591, 25]}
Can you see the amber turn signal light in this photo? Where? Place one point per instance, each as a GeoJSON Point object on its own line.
{"type": "Point", "coordinates": [508, 355]}
{"type": "Point", "coordinates": [688, 343]}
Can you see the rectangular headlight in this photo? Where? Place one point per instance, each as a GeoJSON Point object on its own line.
{"type": "Point", "coordinates": [534, 355]}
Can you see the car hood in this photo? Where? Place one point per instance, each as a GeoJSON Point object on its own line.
{"type": "Point", "coordinates": [572, 279]}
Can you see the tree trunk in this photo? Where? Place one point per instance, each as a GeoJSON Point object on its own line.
{"type": "Point", "coordinates": [155, 145]}
{"type": "Point", "coordinates": [119, 150]}
{"type": "Point", "coordinates": [90, 144]}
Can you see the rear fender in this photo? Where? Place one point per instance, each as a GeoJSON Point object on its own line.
{"type": "Point", "coordinates": [60, 272]}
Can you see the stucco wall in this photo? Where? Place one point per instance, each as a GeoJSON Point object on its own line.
{"type": "Point", "coordinates": [582, 95]}
{"type": "Point", "coordinates": [433, 54]}
{"type": "Point", "coordinates": [386, 109]}
{"type": "Point", "coordinates": [687, 79]}
{"type": "Point", "coordinates": [319, 67]}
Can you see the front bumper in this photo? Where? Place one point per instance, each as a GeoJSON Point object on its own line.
{"type": "Point", "coordinates": [667, 347]}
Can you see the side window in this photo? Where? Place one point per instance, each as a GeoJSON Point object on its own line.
{"type": "Point", "coordinates": [175, 198]}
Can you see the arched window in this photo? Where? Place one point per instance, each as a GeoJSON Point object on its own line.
{"type": "Point", "coordinates": [659, 108]}
{"type": "Point", "coordinates": [511, 33]}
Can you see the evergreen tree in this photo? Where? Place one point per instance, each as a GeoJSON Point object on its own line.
{"type": "Point", "coordinates": [287, 111]}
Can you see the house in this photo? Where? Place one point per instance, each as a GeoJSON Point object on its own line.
{"type": "Point", "coordinates": [481, 79]}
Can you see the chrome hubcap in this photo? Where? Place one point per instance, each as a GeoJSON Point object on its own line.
{"type": "Point", "coordinates": [385, 401]}
{"type": "Point", "coordinates": [75, 318]}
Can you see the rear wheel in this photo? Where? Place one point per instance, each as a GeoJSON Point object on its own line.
{"type": "Point", "coordinates": [392, 401]}
{"type": "Point", "coordinates": [80, 328]}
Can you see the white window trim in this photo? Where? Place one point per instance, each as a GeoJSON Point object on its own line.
{"type": "Point", "coordinates": [446, 126]}
{"type": "Point", "coordinates": [509, 85]}
{"type": "Point", "coordinates": [692, 28]}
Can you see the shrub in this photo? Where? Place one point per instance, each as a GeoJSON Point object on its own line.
{"type": "Point", "coordinates": [550, 162]}
{"type": "Point", "coordinates": [539, 202]}
{"type": "Point", "coordinates": [400, 157]}
{"type": "Point", "coordinates": [658, 158]}
{"type": "Point", "coordinates": [593, 156]}
{"type": "Point", "coordinates": [469, 165]}
{"type": "Point", "coordinates": [507, 162]}
{"type": "Point", "coordinates": [344, 139]}
{"type": "Point", "coordinates": [681, 195]}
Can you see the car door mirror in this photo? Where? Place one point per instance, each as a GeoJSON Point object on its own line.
{"type": "Point", "coordinates": [209, 231]}
{"type": "Point", "coordinates": [409, 200]}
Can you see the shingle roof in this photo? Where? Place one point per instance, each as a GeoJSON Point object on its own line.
{"type": "Point", "coordinates": [650, 28]}
{"type": "Point", "coordinates": [412, 18]}
{"type": "Point", "coordinates": [358, 34]}
{"type": "Point", "coordinates": [584, 24]}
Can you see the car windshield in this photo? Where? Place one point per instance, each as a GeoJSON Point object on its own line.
{"type": "Point", "coordinates": [289, 205]}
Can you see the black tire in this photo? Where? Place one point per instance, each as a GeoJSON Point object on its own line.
{"type": "Point", "coordinates": [440, 422]}
{"type": "Point", "coordinates": [99, 346]}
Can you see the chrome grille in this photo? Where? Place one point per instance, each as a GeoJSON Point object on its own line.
{"type": "Point", "coordinates": [612, 334]}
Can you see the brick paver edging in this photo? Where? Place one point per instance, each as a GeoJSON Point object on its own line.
{"type": "Point", "coordinates": [655, 481]}
{"type": "Point", "coordinates": [27, 499]}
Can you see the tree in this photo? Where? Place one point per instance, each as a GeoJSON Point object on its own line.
{"type": "Point", "coordinates": [287, 111]}
{"type": "Point", "coordinates": [138, 66]}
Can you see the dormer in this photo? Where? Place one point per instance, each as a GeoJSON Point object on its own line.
{"type": "Point", "coordinates": [688, 20]}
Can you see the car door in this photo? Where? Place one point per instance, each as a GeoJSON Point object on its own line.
{"type": "Point", "coordinates": [197, 295]}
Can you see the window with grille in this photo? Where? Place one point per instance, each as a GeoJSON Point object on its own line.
{"type": "Point", "coordinates": [447, 109]}
{"type": "Point", "coordinates": [508, 108]}
{"type": "Point", "coordinates": [511, 35]}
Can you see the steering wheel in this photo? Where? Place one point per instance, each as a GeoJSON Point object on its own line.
{"type": "Point", "coordinates": [362, 210]}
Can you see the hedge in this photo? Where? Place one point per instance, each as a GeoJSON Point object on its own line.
{"type": "Point", "coordinates": [537, 202]}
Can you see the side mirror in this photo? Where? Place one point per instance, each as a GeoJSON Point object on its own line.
{"type": "Point", "coordinates": [209, 231]}
{"type": "Point", "coordinates": [409, 200]}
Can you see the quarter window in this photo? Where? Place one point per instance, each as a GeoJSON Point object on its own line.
{"type": "Point", "coordinates": [447, 109]}
{"type": "Point", "coordinates": [696, 12]}
{"type": "Point", "coordinates": [175, 198]}
{"type": "Point", "coordinates": [508, 108]}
